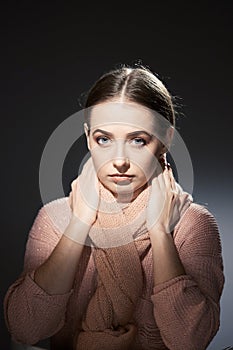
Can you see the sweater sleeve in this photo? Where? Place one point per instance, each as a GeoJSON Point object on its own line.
{"type": "Point", "coordinates": [30, 313]}
{"type": "Point", "coordinates": [187, 307]}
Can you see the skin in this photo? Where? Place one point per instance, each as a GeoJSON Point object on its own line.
{"type": "Point", "coordinates": [120, 152]}
{"type": "Point", "coordinates": [128, 147]}
{"type": "Point", "coordinates": [115, 149]}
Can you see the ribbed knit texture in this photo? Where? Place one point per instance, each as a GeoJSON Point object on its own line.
{"type": "Point", "coordinates": [182, 313]}
{"type": "Point", "coordinates": [109, 321]}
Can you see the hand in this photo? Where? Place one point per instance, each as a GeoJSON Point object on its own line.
{"type": "Point", "coordinates": [84, 197]}
{"type": "Point", "coordinates": [166, 203]}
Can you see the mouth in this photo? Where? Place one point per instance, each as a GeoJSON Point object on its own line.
{"type": "Point", "coordinates": [121, 178]}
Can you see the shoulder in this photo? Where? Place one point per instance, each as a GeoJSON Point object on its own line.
{"type": "Point", "coordinates": [197, 221]}
{"type": "Point", "coordinates": [59, 203]}
{"type": "Point", "coordinates": [197, 214]}
{"type": "Point", "coordinates": [57, 212]}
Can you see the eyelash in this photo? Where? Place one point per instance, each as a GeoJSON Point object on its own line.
{"type": "Point", "coordinates": [101, 138]}
{"type": "Point", "coordinates": [141, 139]}
{"type": "Point", "coordinates": [98, 139]}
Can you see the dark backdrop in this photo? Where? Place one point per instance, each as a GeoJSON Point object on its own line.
{"type": "Point", "coordinates": [52, 53]}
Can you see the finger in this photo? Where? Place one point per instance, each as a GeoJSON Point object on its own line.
{"type": "Point", "coordinates": [89, 171]}
{"type": "Point", "coordinates": [87, 163]}
{"type": "Point", "coordinates": [167, 179]}
{"type": "Point", "coordinates": [71, 200]}
{"type": "Point", "coordinates": [91, 176]}
{"type": "Point", "coordinates": [155, 183]}
{"type": "Point", "coordinates": [161, 180]}
{"type": "Point", "coordinates": [163, 161]}
{"type": "Point", "coordinates": [73, 184]}
{"type": "Point", "coordinates": [172, 181]}
{"type": "Point", "coordinates": [184, 202]}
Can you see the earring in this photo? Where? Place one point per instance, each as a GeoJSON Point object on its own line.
{"type": "Point", "coordinates": [162, 161]}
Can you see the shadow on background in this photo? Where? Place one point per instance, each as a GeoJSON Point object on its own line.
{"type": "Point", "coordinates": [52, 53]}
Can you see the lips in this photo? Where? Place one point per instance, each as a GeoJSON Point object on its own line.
{"type": "Point", "coordinates": [121, 178]}
{"type": "Point", "coordinates": [121, 175]}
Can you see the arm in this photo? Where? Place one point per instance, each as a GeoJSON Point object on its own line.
{"type": "Point", "coordinates": [34, 308]}
{"type": "Point", "coordinates": [35, 305]}
{"type": "Point", "coordinates": [166, 260]}
{"type": "Point", "coordinates": [186, 307]}
{"type": "Point", "coordinates": [167, 201]}
{"type": "Point", "coordinates": [188, 273]}
{"type": "Point", "coordinates": [56, 274]}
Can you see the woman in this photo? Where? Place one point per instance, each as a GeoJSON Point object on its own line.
{"type": "Point", "coordinates": [128, 260]}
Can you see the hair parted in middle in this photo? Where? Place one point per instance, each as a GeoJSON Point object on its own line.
{"type": "Point", "coordinates": [134, 84]}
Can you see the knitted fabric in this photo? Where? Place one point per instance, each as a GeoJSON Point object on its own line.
{"type": "Point", "coordinates": [189, 302]}
{"type": "Point", "coordinates": [120, 239]}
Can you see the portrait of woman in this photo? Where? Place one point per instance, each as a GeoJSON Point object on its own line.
{"type": "Point", "coordinates": [127, 260]}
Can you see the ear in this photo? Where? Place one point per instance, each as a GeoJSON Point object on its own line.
{"type": "Point", "coordinates": [86, 130]}
{"type": "Point", "coordinates": [169, 138]}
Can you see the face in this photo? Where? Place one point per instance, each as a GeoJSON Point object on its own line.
{"type": "Point", "coordinates": [123, 147]}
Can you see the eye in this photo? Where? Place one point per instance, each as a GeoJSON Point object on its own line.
{"type": "Point", "coordinates": [102, 140]}
{"type": "Point", "coordinates": [138, 141]}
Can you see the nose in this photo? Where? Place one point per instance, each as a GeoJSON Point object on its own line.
{"type": "Point", "coordinates": [121, 161]}
{"type": "Point", "coordinates": [121, 164]}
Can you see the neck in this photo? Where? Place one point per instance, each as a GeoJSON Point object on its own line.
{"type": "Point", "coordinates": [128, 197]}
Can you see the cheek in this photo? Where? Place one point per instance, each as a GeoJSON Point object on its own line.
{"type": "Point", "coordinates": [145, 161]}
{"type": "Point", "coordinates": [101, 160]}
{"type": "Point", "coordinates": [147, 167]}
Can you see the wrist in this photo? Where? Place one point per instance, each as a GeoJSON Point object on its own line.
{"type": "Point", "coordinates": [86, 216]}
{"type": "Point", "coordinates": [160, 228]}
{"type": "Point", "coordinates": [77, 230]}
{"type": "Point", "coordinates": [159, 234]}
{"type": "Point", "coordinates": [157, 229]}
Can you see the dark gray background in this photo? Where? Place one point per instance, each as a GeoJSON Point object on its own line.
{"type": "Point", "coordinates": [51, 54]}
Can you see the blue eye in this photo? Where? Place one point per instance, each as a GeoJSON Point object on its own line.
{"type": "Point", "coordinates": [102, 140]}
{"type": "Point", "coordinates": [138, 141]}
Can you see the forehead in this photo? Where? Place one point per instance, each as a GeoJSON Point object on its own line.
{"type": "Point", "coordinates": [117, 116]}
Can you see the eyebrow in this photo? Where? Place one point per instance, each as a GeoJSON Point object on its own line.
{"type": "Point", "coordinates": [134, 133]}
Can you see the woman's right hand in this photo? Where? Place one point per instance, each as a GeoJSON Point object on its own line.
{"type": "Point", "coordinates": [84, 196]}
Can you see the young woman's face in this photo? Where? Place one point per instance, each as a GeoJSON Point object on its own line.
{"type": "Point", "coordinates": [123, 146]}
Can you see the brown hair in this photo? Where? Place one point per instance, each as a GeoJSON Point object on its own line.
{"type": "Point", "coordinates": [136, 84]}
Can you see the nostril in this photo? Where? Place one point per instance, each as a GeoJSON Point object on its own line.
{"type": "Point", "coordinates": [121, 164]}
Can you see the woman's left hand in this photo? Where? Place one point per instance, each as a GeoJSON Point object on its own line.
{"type": "Point", "coordinates": [166, 202]}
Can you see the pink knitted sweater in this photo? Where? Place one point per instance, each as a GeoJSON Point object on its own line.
{"type": "Point", "coordinates": [180, 314]}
